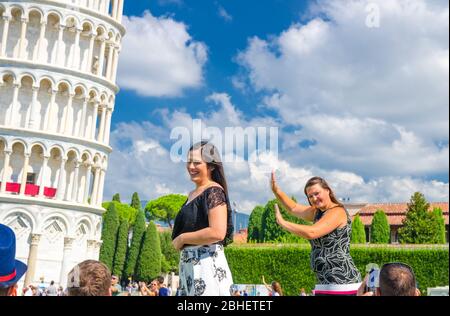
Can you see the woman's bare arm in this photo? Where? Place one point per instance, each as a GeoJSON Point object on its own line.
{"type": "Point", "coordinates": [301, 211]}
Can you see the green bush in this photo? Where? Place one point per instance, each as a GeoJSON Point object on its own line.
{"type": "Point", "coordinates": [149, 261]}
{"type": "Point", "coordinates": [125, 211]}
{"type": "Point", "coordinates": [358, 231]}
{"type": "Point", "coordinates": [255, 225]}
{"type": "Point", "coordinates": [420, 225]}
{"type": "Point", "coordinates": [109, 235]}
{"type": "Point", "coordinates": [380, 231]}
{"type": "Point", "coordinates": [121, 248]}
{"type": "Point", "coordinates": [136, 242]}
{"type": "Point", "coordinates": [272, 232]}
{"type": "Point", "coordinates": [290, 265]}
{"type": "Point", "coordinates": [170, 256]}
{"type": "Point", "coordinates": [437, 212]}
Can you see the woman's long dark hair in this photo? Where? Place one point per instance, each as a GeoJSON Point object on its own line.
{"type": "Point", "coordinates": [211, 156]}
{"type": "Point", "coordinates": [317, 180]}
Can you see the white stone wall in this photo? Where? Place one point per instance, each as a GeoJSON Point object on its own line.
{"type": "Point", "coordinates": [54, 225]}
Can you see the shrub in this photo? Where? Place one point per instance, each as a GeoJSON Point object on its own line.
{"type": "Point", "coordinates": [290, 265]}
{"type": "Point", "coordinates": [380, 231]}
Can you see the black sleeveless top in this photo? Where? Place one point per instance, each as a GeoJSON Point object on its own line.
{"type": "Point", "coordinates": [330, 255]}
{"type": "Point", "coordinates": [194, 216]}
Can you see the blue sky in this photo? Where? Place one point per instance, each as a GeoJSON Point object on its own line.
{"type": "Point", "coordinates": [365, 106]}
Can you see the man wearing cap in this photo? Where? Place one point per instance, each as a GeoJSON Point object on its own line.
{"type": "Point", "coordinates": [11, 270]}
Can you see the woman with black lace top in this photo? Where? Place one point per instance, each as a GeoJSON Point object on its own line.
{"type": "Point", "coordinates": [204, 226]}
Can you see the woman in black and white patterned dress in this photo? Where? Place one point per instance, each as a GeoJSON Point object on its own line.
{"type": "Point", "coordinates": [203, 227]}
{"type": "Point", "coordinates": [329, 236]}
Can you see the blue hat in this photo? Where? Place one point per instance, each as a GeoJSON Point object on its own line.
{"type": "Point", "coordinates": [11, 270]}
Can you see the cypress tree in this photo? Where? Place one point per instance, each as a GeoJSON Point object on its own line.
{"type": "Point", "coordinates": [135, 247]}
{"type": "Point", "coordinates": [116, 197]}
{"type": "Point", "coordinates": [109, 236]}
{"type": "Point", "coordinates": [272, 232]}
{"type": "Point", "coordinates": [121, 248]}
{"type": "Point", "coordinates": [358, 231]}
{"type": "Point", "coordinates": [149, 261]}
{"type": "Point", "coordinates": [135, 201]}
{"type": "Point", "coordinates": [255, 225]}
{"type": "Point", "coordinates": [380, 231]}
{"type": "Point", "coordinates": [437, 212]}
{"type": "Point", "coordinates": [170, 255]}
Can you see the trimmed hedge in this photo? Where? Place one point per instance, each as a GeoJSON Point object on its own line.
{"type": "Point", "coordinates": [290, 265]}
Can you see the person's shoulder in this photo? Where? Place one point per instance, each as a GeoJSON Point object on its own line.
{"type": "Point", "coordinates": [215, 186]}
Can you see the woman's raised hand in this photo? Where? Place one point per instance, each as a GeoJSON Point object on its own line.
{"type": "Point", "coordinates": [273, 183]}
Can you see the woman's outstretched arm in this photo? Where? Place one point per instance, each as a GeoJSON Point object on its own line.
{"type": "Point", "coordinates": [330, 221]}
{"type": "Point", "coordinates": [301, 211]}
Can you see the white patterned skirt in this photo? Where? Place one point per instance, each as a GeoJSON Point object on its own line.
{"type": "Point", "coordinates": [204, 271]}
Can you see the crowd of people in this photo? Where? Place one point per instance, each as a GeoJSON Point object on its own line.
{"type": "Point", "coordinates": [93, 278]}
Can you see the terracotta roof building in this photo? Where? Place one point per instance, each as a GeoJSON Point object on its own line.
{"type": "Point", "coordinates": [396, 213]}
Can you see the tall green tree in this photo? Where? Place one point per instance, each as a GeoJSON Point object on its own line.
{"type": "Point", "coordinates": [170, 256]}
{"type": "Point", "coordinates": [121, 248]}
{"type": "Point", "coordinates": [255, 224]}
{"type": "Point", "coordinates": [272, 232]}
{"type": "Point", "coordinates": [135, 247]}
{"type": "Point", "coordinates": [380, 231]}
{"type": "Point", "coordinates": [358, 231]}
{"type": "Point", "coordinates": [135, 201]}
{"type": "Point", "coordinates": [116, 197]}
{"type": "Point", "coordinates": [439, 217]}
{"type": "Point", "coordinates": [149, 261]}
{"type": "Point", "coordinates": [109, 236]}
{"type": "Point", "coordinates": [165, 208]}
{"type": "Point", "coordinates": [419, 226]}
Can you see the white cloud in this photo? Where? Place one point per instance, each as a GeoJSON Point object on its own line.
{"type": "Point", "coordinates": [373, 100]}
{"type": "Point", "coordinates": [159, 57]}
{"type": "Point", "coordinates": [140, 162]}
{"type": "Point", "coordinates": [224, 14]}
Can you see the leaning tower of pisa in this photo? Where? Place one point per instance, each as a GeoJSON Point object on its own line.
{"type": "Point", "coordinates": [58, 65]}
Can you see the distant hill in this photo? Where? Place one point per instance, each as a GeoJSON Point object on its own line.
{"type": "Point", "coordinates": [240, 220]}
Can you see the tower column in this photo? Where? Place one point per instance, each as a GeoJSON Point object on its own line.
{"type": "Point", "coordinates": [61, 181]}
{"type": "Point", "coordinates": [12, 114]}
{"type": "Point", "coordinates": [5, 169]}
{"type": "Point", "coordinates": [101, 130]}
{"type": "Point", "coordinates": [23, 182]}
{"type": "Point", "coordinates": [41, 40]}
{"type": "Point", "coordinates": [91, 53]}
{"type": "Point", "coordinates": [101, 57]}
{"type": "Point", "coordinates": [42, 176]}
{"type": "Point", "coordinates": [110, 61]}
{"type": "Point", "coordinates": [82, 130]}
{"type": "Point", "coordinates": [108, 126]}
{"type": "Point", "coordinates": [49, 114]}
{"type": "Point", "coordinates": [67, 111]}
{"type": "Point", "coordinates": [56, 58]}
{"type": "Point", "coordinates": [23, 32]}
{"type": "Point", "coordinates": [95, 187]}
{"type": "Point", "coordinates": [75, 60]}
{"type": "Point", "coordinates": [4, 35]}
{"type": "Point", "coordinates": [32, 259]}
{"type": "Point", "coordinates": [32, 120]}
{"type": "Point", "coordinates": [67, 253]}
{"type": "Point", "coordinates": [74, 196]}
{"type": "Point", "coordinates": [94, 120]}
{"type": "Point", "coordinates": [87, 184]}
